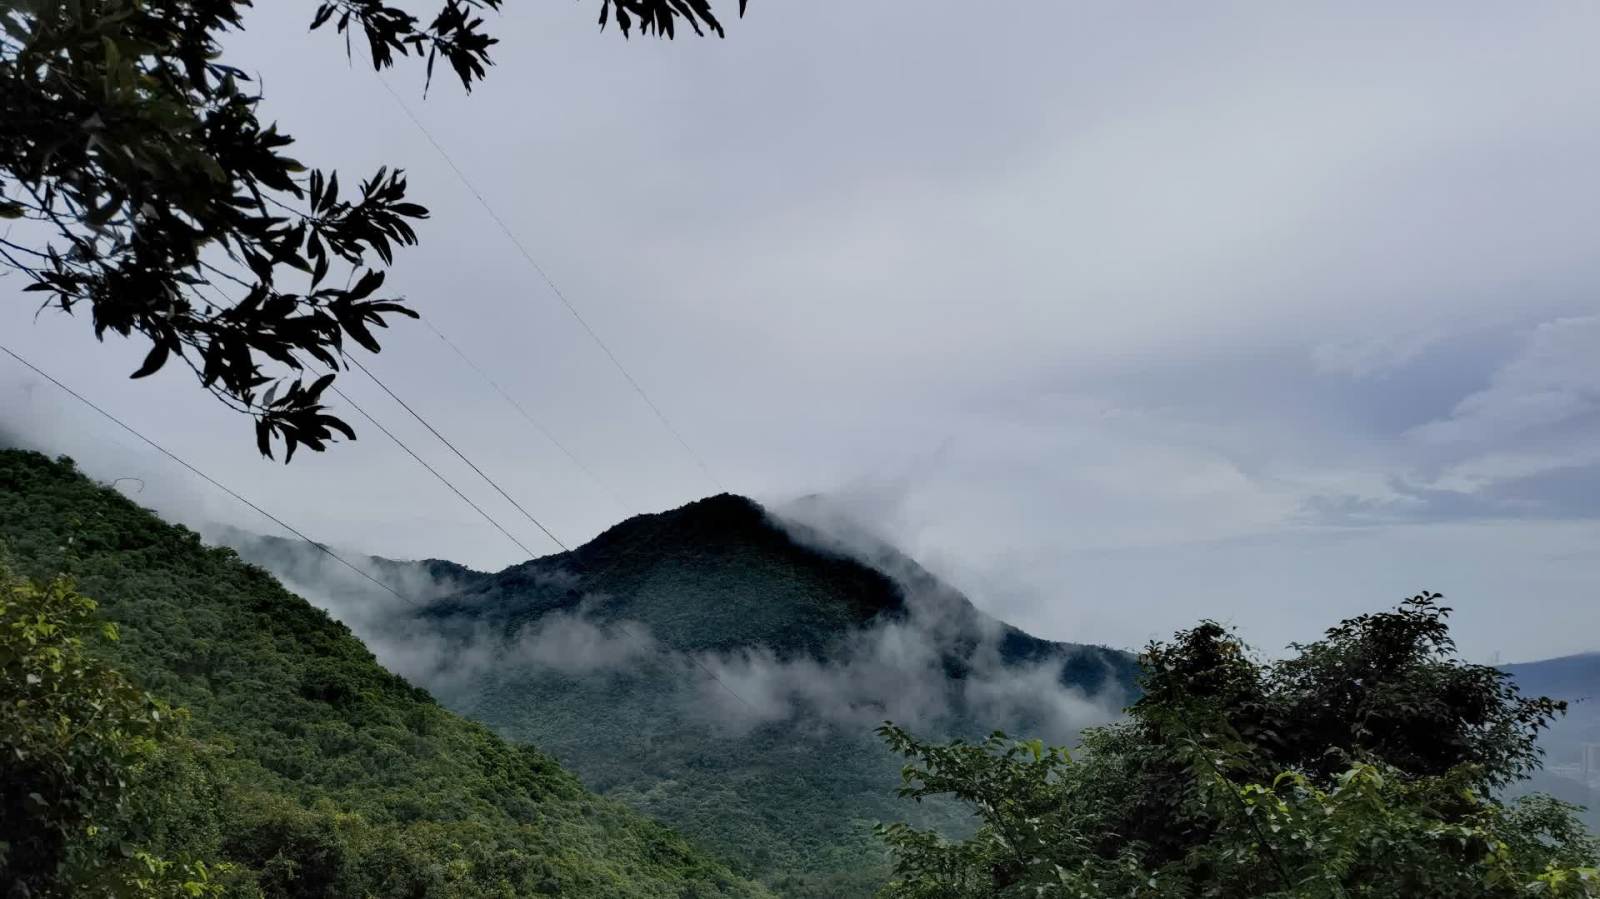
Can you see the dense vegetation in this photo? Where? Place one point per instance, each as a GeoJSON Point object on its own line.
{"type": "Point", "coordinates": [1365, 765]}
{"type": "Point", "coordinates": [792, 797]}
{"type": "Point", "coordinates": [203, 732]}
{"type": "Point", "coordinates": [793, 803]}
{"type": "Point", "coordinates": [300, 767]}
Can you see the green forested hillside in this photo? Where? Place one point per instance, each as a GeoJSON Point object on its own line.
{"type": "Point", "coordinates": [331, 776]}
{"type": "Point", "coordinates": [775, 762]}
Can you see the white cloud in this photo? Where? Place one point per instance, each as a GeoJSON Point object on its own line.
{"type": "Point", "coordinates": [1151, 283]}
{"type": "Point", "coordinates": [1555, 379]}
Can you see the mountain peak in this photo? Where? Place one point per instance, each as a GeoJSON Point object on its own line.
{"type": "Point", "coordinates": [716, 573]}
{"type": "Point", "coordinates": [724, 514]}
{"type": "Point", "coordinates": [723, 511]}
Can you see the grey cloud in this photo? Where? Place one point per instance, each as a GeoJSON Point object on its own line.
{"type": "Point", "coordinates": [1521, 446]}
{"type": "Point", "coordinates": [1124, 286]}
{"type": "Point", "coordinates": [1554, 380]}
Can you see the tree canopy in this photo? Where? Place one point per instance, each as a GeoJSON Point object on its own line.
{"type": "Point", "coordinates": [149, 189]}
{"type": "Point", "coordinates": [1367, 764]}
{"type": "Point", "coordinates": [80, 745]}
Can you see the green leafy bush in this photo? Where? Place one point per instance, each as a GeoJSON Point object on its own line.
{"type": "Point", "coordinates": [82, 751]}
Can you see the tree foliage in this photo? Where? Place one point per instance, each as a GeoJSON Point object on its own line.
{"type": "Point", "coordinates": [150, 190]}
{"type": "Point", "coordinates": [78, 744]}
{"type": "Point", "coordinates": [1367, 764]}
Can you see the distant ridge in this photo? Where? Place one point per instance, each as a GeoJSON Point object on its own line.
{"type": "Point", "coordinates": [1574, 677]}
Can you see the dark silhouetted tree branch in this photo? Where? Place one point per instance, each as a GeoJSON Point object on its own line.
{"type": "Point", "coordinates": [139, 182]}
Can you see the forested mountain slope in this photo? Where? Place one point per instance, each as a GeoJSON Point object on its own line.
{"type": "Point", "coordinates": [338, 777]}
{"type": "Point", "coordinates": [723, 669]}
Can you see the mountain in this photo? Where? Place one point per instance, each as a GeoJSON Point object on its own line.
{"type": "Point", "coordinates": [723, 668]}
{"type": "Point", "coordinates": [724, 574]}
{"type": "Point", "coordinates": [333, 777]}
{"type": "Point", "coordinates": [1576, 679]}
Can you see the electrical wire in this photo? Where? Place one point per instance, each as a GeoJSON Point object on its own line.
{"type": "Point", "coordinates": [460, 455]}
{"type": "Point", "coordinates": [544, 431]}
{"type": "Point", "coordinates": [550, 282]}
{"type": "Point", "coordinates": [433, 471]}
{"type": "Point", "coordinates": [207, 478]}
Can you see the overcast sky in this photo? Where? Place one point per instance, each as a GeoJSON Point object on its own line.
{"type": "Point", "coordinates": [1119, 315]}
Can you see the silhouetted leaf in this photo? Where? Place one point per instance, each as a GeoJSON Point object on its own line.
{"type": "Point", "coordinates": [153, 361]}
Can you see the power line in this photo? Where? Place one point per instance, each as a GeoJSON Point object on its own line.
{"type": "Point", "coordinates": [209, 479]}
{"type": "Point", "coordinates": [324, 549]}
{"type": "Point", "coordinates": [631, 549]}
{"type": "Point", "coordinates": [593, 478]}
{"type": "Point", "coordinates": [342, 560]}
{"type": "Point", "coordinates": [431, 470]}
{"type": "Point", "coordinates": [528, 256]}
{"type": "Point", "coordinates": [660, 415]}
{"type": "Point", "coordinates": [397, 441]}
{"type": "Point", "coordinates": [442, 439]}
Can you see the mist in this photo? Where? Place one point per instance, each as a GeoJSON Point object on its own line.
{"type": "Point", "coordinates": [440, 655]}
{"type": "Point", "coordinates": [895, 670]}
{"type": "Point", "coordinates": [898, 669]}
